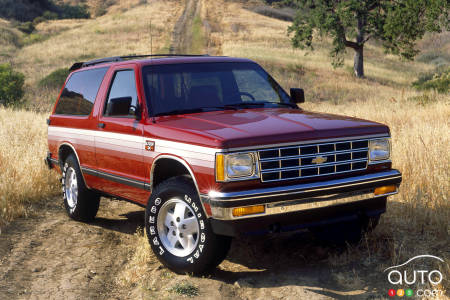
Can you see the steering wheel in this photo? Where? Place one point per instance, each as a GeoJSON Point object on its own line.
{"type": "Point", "coordinates": [240, 94]}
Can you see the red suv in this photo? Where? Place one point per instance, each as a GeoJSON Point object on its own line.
{"type": "Point", "coordinates": [213, 147]}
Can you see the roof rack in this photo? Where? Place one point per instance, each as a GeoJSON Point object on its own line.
{"type": "Point", "coordinates": [79, 65]}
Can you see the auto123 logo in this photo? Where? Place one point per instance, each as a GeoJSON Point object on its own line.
{"type": "Point", "coordinates": [400, 276]}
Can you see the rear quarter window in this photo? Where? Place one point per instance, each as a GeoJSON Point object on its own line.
{"type": "Point", "coordinates": [79, 93]}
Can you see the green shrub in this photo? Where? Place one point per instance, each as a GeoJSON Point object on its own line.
{"type": "Point", "coordinates": [26, 27]}
{"type": "Point", "coordinates": [38, 20]}
{"type": "Point", "coordinates": [55, 79]}
{"type": "Point", "coordinates": [24, 10]}
{"type": "Point", "coordinates": [73, 12]}
{"type": "Point", "coordinates": [438, 80]}
{"type": "Point", "coordinates": [33, 38]}
{"type": "Point", "coordinates": [40, 10]}
{"type": "Point", "coordinates": [11, 86]}
{"type": "Point", "coordinates": [49, 15]}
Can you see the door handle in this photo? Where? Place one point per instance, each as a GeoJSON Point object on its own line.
{"type": "Point", "coordinates": [101, 125]}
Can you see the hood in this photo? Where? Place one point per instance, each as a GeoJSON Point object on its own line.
{"type": "Point", "coordinates": [262, 126]}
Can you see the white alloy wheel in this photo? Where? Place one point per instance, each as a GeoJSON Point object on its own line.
{"type": "Point", "coordinates": [178, 227]}
{"type": "Point", "coordinates": [71, 187]}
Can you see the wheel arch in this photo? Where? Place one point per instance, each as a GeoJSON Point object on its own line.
{"type": "Point", "coordinates": [64, 150]}
{"type": "Point", "coordinates": [182, 168]}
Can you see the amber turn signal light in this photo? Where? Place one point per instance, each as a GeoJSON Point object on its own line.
{"type": "Point", "coordinates": [220, 172]}
{"type": "Point", "coordinates": [248, 210]}
{"type": "Point", "coordinates": [385, 190]}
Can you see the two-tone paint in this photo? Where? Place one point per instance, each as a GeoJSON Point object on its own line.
{"type": "Point", "coordinates": [115, 160]}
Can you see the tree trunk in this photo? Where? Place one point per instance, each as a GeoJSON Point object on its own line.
{"type": "Point", "coordinates": [358, 63]}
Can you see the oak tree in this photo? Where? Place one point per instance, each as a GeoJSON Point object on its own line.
{"type": "Point", "coordinates": [351, 23]}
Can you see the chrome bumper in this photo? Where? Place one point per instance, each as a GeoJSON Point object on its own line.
{"type": "Point", "coordinates": [308, 196]}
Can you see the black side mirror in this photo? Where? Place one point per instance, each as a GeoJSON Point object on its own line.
{"type": "Point", "coordinates": [137, 111]}
{"type": "Point", "coordinates": [297, 95]}
{"type": "Point", "coordinates": [119, 106]}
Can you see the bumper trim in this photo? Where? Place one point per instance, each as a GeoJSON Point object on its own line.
{"type": "Point", "coordinates": [299, 205]}
{"type": "Point", "coordinates": [303, 188]}
{"type": "Point", "coordinates": [274, 194]}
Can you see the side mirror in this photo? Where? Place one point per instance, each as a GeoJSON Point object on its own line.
{"type": "Point", "coordinates": [119, 106]}
{"type": "Point", "coordinates": [297, 95]}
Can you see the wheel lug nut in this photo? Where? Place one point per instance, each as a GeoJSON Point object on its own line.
{"type": "Point", "coordinates": [183, 226]}
{"type": "Point", "coordinates": [171, 223]}
{"type": "Point", "coordinates": [178, 219]}
{"type": "Point", "coordinates": [173, 233]}
{"type": "Point", "coordinates": [181, 235]}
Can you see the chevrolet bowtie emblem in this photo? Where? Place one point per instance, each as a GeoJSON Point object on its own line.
{"type": "Point", "coordinates": [319, 160]}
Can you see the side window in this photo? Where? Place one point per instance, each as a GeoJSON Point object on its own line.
{"type": "Point", "coordinates": [78, 95]}
{"type": "Point", "coordinates": [122, 98]}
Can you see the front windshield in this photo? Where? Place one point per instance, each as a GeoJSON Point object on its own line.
{"type": "Point", "coordinates": [178, 88]}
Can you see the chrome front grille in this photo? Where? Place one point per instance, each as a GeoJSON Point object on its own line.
{"type": "Point", "coordinates": [311, 160]}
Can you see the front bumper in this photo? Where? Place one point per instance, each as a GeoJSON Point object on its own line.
{"type": "Point", "coordinates": [302, 204]}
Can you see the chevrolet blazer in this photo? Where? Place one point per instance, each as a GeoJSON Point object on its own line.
{"type": "Point", "coordinates": [213, 148]}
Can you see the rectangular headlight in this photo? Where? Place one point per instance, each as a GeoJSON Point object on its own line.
{"type": "Point", "coordinates": [379, 149]}
{"type": "Point", "coordinates": [236, 166]}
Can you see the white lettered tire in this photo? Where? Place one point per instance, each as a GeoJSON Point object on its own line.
{"type": "Point", "coordinates": [178, 230]}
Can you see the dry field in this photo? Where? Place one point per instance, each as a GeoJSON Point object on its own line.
{"type": "Point", "coordinates": [24, 178]}
{"type": "Point", "coordinates": [417, 220]}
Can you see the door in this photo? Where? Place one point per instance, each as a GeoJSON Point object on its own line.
{"type": "Point", "coordinates": [119, 138]}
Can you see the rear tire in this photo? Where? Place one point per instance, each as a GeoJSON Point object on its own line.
{"type": "Point", "coordinates": [178, 230]}
{"type": "Point", "coordinates": [81, 203]}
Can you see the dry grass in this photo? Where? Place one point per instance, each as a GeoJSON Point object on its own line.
{"type": "Point", "coordinates": [24, 178]}
{"type": "Point", "coordinates": [417, 221]}
{"type": "Point", "coordinates": [418, 217]}
{"type": "Point", "coordinates": [118, 33]}
{"type": "Point", "coordinates": [420, 151]}
{"type": "Point", "coordinates": [124, 30]}
{"type": "Point", "coordinates": [419, 132]}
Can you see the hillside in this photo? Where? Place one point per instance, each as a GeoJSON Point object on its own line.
{"type": "Point", "coordinates": [286, 267]}
{"type": "Point", "coordinates": [123, 30]}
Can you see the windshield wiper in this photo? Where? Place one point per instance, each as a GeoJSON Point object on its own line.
{"type": "Point", "coordinates": [288, 104]}
{"type": "Point", "coordinates": [193, 110]}
{"type": "Point", "coordinates": [262, 103]}
{"type": "Point", "coordinates": [245, 104]}
{"type": "Point", "coordinates": [178, 112]}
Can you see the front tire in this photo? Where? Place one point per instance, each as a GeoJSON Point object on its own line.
{"type": "Point", "coordinates": [81, 203]}
{"type": "Point", "coordinates": [179, 232]}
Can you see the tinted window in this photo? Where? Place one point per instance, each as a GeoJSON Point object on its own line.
{"type": "Point", "coordinates": [79, 93]}
{"type": "Point", "coordinates": [208, 85]}
{"type": "Point", "coordinates": [255, 84]}
{"type": "Point", "coordinates": [122, 99]}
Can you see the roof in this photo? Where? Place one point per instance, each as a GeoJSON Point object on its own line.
{"type": "Point", "coordinates": [155, 59]}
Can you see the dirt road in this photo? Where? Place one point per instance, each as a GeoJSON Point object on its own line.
{"type": "Point", "coordinates": [182, 33]}
{"type": "Point", "coordinates": [49, 256]}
